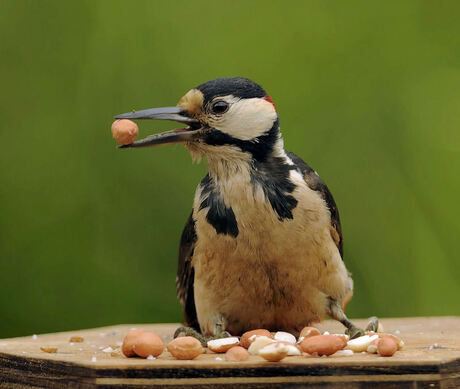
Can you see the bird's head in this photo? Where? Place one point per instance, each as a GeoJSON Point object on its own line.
{"type": "Point", "coordinates": [225, 118]}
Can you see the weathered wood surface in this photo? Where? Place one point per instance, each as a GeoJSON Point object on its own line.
{"type": "Point", "coordinates": [430, 359]}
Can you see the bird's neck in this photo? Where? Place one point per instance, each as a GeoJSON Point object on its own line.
{"type": "Point", "coordinates": [230, 163]}
{"type": "Point", "coordinates": [238, 179]}
{"type": "Point", "coordinates": [244, 157]}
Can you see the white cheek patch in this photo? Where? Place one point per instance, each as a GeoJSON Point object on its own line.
{"type": "Point", "coordinates": [247, 118]}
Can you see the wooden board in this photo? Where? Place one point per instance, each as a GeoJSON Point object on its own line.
{"type": "Point", "coordinates": [430, 359]}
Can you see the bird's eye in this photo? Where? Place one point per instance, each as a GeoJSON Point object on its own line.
{"type": "Point", "coordinates": [219, 107]}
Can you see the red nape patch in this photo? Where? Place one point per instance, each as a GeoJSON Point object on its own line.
{"type": "Point", "coordinates": [269, 99]}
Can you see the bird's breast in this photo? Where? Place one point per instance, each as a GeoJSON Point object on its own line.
{"type": "Point", "coordinates": [237, 225]}
{"type": "Point", "coordinates": [266, 262]}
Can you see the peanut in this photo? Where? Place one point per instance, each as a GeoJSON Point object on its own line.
{"type": "Point", "coordinates": [186, 347]}
{"type": "Point", "coordinates": [399, 342]}
{"type": "Point", "coordinates": [322, 344]}
{"type": "Point", "coordinates": [361, 344]}
{"type": "Point", "coordinates": [285, 337]}
{"type": "Point", "coordinates": [308, 332]}
{"type": "Point", "coordinates": [124, 131]}
{"type": "Point", "coordinates": [386, 347]}
{"type": "Point", "coordinates": [129, 341]}
{"type": "Point", "coordinates": [147, 344]}
{"type": "Point", "coordinates": [259, 343]}
{"type": "Point", "coordinates": [274, 352]}
{"type": "Point", "coordinates": [223, 344]}
{"type": "Point", "coordinates": [237, 354]}
{"type": "Point", "coordinates": [246, 342]}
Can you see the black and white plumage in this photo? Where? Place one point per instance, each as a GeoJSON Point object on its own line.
{"type": "Point", "coordinates": [262, 247]}
{"type": "Point", "coordinates": [185, 272]}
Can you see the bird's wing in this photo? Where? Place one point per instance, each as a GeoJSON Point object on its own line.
{"type": "Point", "coordinates": [185, 274]}
{"type": "Point", "coordinates": [315, 183]}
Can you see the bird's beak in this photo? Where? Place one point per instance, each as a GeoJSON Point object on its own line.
{"type": "Point", "coordinates": [176, 114]}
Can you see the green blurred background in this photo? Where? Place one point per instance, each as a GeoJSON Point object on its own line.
{"type": "Point", "coordinates": [368, 93]}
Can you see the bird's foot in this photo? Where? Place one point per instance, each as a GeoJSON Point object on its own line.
{"type": "Point", "coordinates": [354, 332]}
{"type": "Point", "coordinates": [373, 324]}
{"type": "Point", "coordinates": [336, 312]}
{"type": "Point", "coordinates": [219, 333]}
{"type": "Point", "coordinates": [188, 331]}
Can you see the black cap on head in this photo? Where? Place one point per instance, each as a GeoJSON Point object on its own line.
{"type": "Point", "coordinates": [237, 86]}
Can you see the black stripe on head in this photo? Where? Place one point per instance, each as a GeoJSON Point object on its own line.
{"type": "Point", "coordinates": [260, 148]}
{"type": "Point", "coordinates": [237, 86]}
{"type": "Point", "coordinates": [219, 215]}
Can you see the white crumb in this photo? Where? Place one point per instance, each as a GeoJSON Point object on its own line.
{"type": "Point", "coordinates": [326, 333]}
{"type": "Point", "coordinates": [259, 343]}
{"type": "Point", "coordinates": [34, 337]}
{"type": "Point", "coordinates": [108, 350]}
{"type": "Point", "coordinates": [343, 353]}
{"type": "Point", "coordinates": [397, 332]}
{"type": "Point", "coordinates": [215, 344]}
{"type": "Point", "coordinates": [93, 359]}
{"type": "Point", "coordinates": [372, 349]}
{"type": "Point", "coordinates": [293, 350]}
{"type": "Point", "coordinates": [285, 337]}
{"type": "Point", "coordinates": [150, 357]}
{"type": "Point", "coordinates": [361, 344]}
{"type": "Point", "coordinates": [218, 359]}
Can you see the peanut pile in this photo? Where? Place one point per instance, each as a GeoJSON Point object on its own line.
{"type": "Point", "coordinates": [271, 346]}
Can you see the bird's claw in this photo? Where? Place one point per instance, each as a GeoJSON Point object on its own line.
{"type": "Point", "coordinates": [354, 332]}
{"type": "Point", "coordinates": [188, 331]}
{"type": "Point", "coordinates": [373, 324]}
{"type": "Point", "coordinates": [220, 335]}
